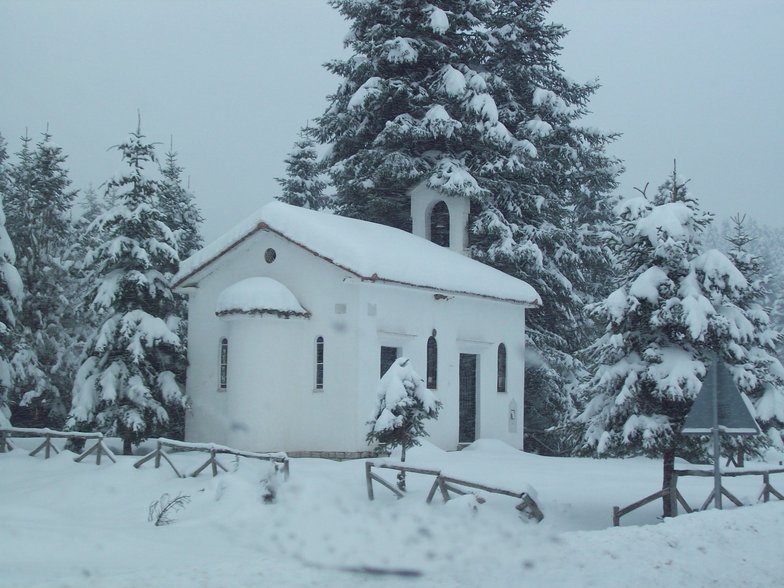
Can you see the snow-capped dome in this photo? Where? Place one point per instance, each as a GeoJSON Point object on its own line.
{"type": "Point", "coordinates": [257, 296]}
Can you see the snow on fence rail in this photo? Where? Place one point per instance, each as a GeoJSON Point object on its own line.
{"type": "Point", "coordinates": [99, 448]}
{"type": "Point", "coordinates": [674, 496]}
{"type": "Point", "coordinates": [280, 459]}
{"type": "Point", "coordinates": [447, 484]}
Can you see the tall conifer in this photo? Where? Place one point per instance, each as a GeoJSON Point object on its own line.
{"type": "Point", "coordinates": [468, 97]}
{"type": "Point", "coordinates": [128, 383]}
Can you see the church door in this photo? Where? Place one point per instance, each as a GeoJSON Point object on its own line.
{"type": "Point", "coordinates": [467, 378]}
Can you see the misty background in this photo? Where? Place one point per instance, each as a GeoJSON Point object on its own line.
{"type": "Point", "coordinates": [233, 82]}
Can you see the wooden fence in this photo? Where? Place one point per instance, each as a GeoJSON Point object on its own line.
{"type": "Point", "coordinates": [673, 494]}
{"type": "Point", "coordinates": [99, 448]}
{"type": "Point", "coordinates": [280, 460]}
{"type": "Point", "coordinates": [446, 484]}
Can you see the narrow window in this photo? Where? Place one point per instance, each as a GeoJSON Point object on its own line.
{"type": "Point", "coordinates": [388, 357]}
{"type": "Point", "coordinates": [432, 363]}
{"type": "Point", "coordinates": [439, 224]}
{"type": "Point", "coordinates": [320, 363]}
{"type": "Point", "coordinates": [224, 363]}
{"type": "Point", "coordinates": [502, 368]}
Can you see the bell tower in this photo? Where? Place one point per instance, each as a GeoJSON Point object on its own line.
{"type": "Point", "coordinates": [439, 218]}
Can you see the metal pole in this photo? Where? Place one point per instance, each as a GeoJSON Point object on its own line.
{"type": "Point", "coordinates": [716, 439]}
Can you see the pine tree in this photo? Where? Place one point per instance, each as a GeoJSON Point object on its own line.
{"type": "Point", "coordinates": [676, 306]}
{"type": "Point", "coordinates": [403, 405]}
{"type": "Point", "coordinates": [303, 185]}
{"type": "Point", "coordinates": [468, 97]}
{"type": "Point", "coordinates": [758, 371]}
{"type": "Point", "coordinates": [38, 221]}
{"type": "Point", "coordinates": [179, 208]}
{"type": "Point", "coordinates": [127, 384]}
{"type": "Point", "coordinates": [10, 297]}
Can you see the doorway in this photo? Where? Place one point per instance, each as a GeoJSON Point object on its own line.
{"type": "Point", "coordinates": [468, 398]}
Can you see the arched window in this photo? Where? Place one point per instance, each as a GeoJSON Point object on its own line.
{"type": "Point", "coordinates": [319, 363]}
{"type": "Point", "coordinates": [432, 363]}
{"type": "Point", "coordinates": [502, 368]}
{"type": "Point", "coordinates": [439, 224]}
{"type": "Point", "coordinates": [224, 363]}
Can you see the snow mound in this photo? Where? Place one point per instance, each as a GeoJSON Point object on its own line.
{"type": "Point", "coordinates": [491, 446]}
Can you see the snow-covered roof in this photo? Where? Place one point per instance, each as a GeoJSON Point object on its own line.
{"type": "Point", "coordinates": [370, 251]}
{"type": "Point", "coordinates": [256, 296]}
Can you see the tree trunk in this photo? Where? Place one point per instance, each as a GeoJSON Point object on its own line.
{"type": "Point", "coordinates": [401, 476]}
{"type": "Point", "coordinates": [127, 446]}
{"type": "Point", "coordinates": [669, 468]}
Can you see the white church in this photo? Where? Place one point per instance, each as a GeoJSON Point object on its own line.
{"type": "Point", "coordinates": [295, 314]}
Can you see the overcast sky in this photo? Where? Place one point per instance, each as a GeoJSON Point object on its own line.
{"type": "Point", "coordinates": [233, 81]}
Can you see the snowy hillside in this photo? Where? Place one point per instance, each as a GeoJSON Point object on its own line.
{"type": "Point", "coordinates": [79, 525]}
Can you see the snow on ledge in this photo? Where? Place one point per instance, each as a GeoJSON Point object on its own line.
{"type": "Point", "coordinates": [258, 296]}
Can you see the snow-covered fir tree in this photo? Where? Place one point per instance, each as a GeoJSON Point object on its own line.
{"type": "Point", "coordinates": [303, 184]}
{"type": "Point", "coordinates": [38, 208]}
{"type": "Point", "coordinates": [179, 207]}
{"type": "Point", "coordinates": [127, 384]}
{"type": "Point", "coordinates": [468, 97]}
{"type": "Point", "coordinates": [676, 305]}
{"type": "Point", "coordinates": [11, 294]}
{"type": "Point", "coordinates": [403, 404]}
{"type": "Point", "coordinates": [759, 374]}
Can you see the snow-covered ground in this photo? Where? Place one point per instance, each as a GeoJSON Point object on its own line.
{"type": "Point", "coordinates": [64, 524]}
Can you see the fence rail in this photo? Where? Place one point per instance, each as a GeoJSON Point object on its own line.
{"type": "Point", "coordinates": [675, 497]}
{"type": "Point", "coordinates": [280, 459]}
{"type": "Point", "coordinates": [99, 448]}
{"type": "Point", "coordinates": [447, 484]}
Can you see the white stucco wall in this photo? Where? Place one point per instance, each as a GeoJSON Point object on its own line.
{"type": "Point", "coordinates": [405, 318]}
{"type": "Point", "coordinates": [270, 402]}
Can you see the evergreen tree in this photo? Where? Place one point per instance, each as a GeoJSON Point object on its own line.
{"type": "Point", "coordinates": [758, 371]}
{"type": "Point", "coordinates": [127, 384]}
{"type": "Point", "coordinates": [303, 185]}
{"type": "Point", "coordinates": [179, 208]}
{"type": "Point", "coordinates": [676, 306]}
{"type": "Point", "coordinates": [468, 97]}
{"type": "Point", "coordinates": [10, 298]}
{"type": "Point", "coordinates": [403, 405]}
{"type": "Point", "coordinates": [38, 221]}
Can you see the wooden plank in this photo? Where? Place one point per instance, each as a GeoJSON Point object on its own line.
{"type": "Point", "coordinates": [79, 458]}
{"type": "Point", "coordinates": [730, 474]}
{"type": "Point", "coordinates": [484, 487]}
{"type": "Point", "coordinates": [634, 506]}
{"type": "Point", "coordinates": [529, 506]}
{"type": "Point", "coordinates": [369, 480]}
{"type": "Point", "coordinates": [776, 493]}
{"type": "Point", "coordinates": [30, 432]}
{"type": "Point", "coordinates": [708, 500]}
{"type": "Point", "coordinates": [683, 502]}
{"type": "Point", "coordinates": [169, 461]}
{"type": "Point", "coordinates": [145, 459]}
{"type": "Point", "coordinates": [387, 485]}
{"type": "Point", "coordinates": [731, 496]}
{"type": "Point", "coordinates": [432, 493]}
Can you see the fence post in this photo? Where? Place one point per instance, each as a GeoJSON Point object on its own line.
{"type": "Point", "coordinates": [3, 441]}
{"type": "Point", "coordinates": [616, 516]}
{"type": "Point", "coordinates": [766, 487]}
{"type": "Point", "coordinates": [158, 455]}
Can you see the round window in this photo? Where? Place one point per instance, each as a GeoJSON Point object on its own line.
{"type": "Point", "coordinates": [270, 255]}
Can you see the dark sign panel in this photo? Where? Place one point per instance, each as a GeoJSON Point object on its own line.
{"type": "Point", "coordinates": [733, 416]}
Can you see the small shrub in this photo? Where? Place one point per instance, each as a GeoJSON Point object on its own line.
{"type": "Point", "coordinates": [162, 510]}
